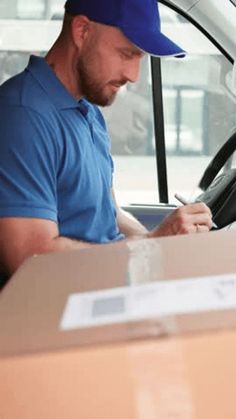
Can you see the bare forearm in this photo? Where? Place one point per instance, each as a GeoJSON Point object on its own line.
{"type": "Point", "coordinates": [63, 243]}
{"type": "Point", "coordinates": [129, 225]}
{"type": "Point", "coordinates": [37, 236]}
{"type": "Point", "coordinates": [14, 256]}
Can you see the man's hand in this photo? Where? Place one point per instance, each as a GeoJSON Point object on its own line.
{"type": "Point", "coordinates": [193, 218]}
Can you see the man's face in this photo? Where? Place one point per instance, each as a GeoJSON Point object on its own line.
{"type": "Point", "coordinates": [106, 62]}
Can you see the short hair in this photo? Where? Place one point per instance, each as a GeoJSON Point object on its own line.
{"type": "Point", "coordinates": [66, 22]}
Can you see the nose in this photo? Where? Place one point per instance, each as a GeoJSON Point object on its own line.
{"type": "Point", "coordinates": [132, 70]}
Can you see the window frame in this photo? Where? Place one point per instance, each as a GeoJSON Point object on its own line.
{"type": "Point", "coordinates": [158, 110]}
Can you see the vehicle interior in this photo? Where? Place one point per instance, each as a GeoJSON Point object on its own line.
{"type": "Point", "coordinates": [175, 118]}
{"type": "Point", "coordinates": [63, 353]}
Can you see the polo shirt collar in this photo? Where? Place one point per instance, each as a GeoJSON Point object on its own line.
{"type": "Point", "coordinates": [57, 92]}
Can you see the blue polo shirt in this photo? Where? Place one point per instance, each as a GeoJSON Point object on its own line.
{"type": "Point", "coordinates": [55, 158]}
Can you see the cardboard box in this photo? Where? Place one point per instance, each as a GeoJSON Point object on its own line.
{"type": "Point", "coordinates": [164, 364]}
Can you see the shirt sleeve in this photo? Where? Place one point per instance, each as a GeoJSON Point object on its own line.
{"type": "Point", "coordinates": [28, 165]}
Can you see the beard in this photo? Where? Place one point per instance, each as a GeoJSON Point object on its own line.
{"type": "Point", "coordinates": [91, 87]}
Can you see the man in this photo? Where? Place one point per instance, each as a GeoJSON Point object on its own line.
{"type": "Point", "coordinates": [55, 166]}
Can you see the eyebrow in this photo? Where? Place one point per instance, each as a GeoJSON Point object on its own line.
{"type": "Point", "coordinates": [135, 51]}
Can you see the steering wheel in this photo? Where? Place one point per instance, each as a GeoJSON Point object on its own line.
{"type": "Point", "coordinates": [218, 162]}
{"type": "Point", "coordinates": [219, 192]}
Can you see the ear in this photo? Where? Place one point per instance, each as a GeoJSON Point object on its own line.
{"type": "Point", "coordinates": [80, 27]}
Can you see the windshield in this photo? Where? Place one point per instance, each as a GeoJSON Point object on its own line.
{"type": "Point", "coordinates": [234, 2]}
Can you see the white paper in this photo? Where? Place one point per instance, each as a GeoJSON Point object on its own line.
{"type": "Point", "coordinates": [231, 226]}
{"type": "Point", "coordinates": [146, 301]}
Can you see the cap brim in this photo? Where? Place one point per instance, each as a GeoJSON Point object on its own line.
{"type": "Point", "coordinates": [154, 43]}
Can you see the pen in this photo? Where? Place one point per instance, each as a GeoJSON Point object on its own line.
{"type": "Point", "coordinates": [181, 199]}
{"type": "Point", "coordinates": [185, 202]}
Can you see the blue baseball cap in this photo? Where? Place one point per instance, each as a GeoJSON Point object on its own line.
{"type": "Point", "coordinates": [139, 20]}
